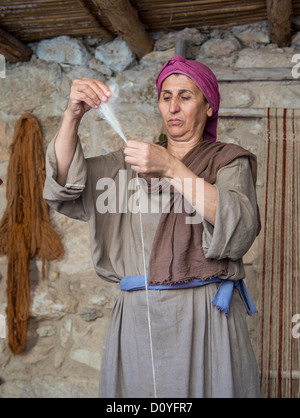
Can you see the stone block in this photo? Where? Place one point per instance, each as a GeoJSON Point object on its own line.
{"type": "Point", "coordinates": [160, 57]}
{"type": "Point", "coordinates": [115, 55]}
{"type": "Point", "coordinates": [251, 37]}
{"type": "Point", "coordinates": [265, 58]}
{"type": "Point", "coordinates": [91, 359]}
{"type": "Point", "coordinates": [220, 47]}
{"type": "Point", "coordinates": [63, 50]}
{"type": "Point", "coordinates": [48, 304]}
{"type": "Point", "coordinates": [168, 40]}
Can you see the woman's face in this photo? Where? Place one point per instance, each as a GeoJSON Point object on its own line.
{"type": "Point", "coordinates": [183, 108]}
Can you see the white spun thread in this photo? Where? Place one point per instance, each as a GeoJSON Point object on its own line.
{"type": "Point", "coordinates": [146, 286]}
{"type": "Point", "coordinates": [106, 112]}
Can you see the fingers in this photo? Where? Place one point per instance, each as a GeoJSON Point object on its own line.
{"type": "Point", "coordinates": [140, 156]}
{"type": "Point", "coordinates": [90, 91]}
{"type": "Point", "coordinates": [134, 154]}
{"type": "Point", "coordinates": [138, 150]}
{"type": "Point", "coordinates": [148, 158]}
{"type": "Point", "coordinates": [138, 145]}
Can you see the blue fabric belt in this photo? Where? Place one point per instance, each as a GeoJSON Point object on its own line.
{"type": "Point", "coordinates": [221, 299]}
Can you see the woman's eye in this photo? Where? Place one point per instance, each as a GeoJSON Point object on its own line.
{"type": "Point", "coordinates": [167, 98]}
{"type": "Point", "coordinates": [185, 97]}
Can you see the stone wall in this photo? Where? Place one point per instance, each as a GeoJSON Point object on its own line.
{"type": "Point", "coordinates": [70, 309]}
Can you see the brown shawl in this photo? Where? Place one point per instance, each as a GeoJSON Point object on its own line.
{"type": "Point", "coordinates": [177, 254]}
{"type": "Point", "coordinates": [25, 230]}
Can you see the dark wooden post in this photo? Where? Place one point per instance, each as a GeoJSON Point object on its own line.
{"type": "Point", "coordinates": [126, 23]}
{"type": "Point", "coordinates": [12, 48]}
{"type": "Point", "coordinates": [280, 16]}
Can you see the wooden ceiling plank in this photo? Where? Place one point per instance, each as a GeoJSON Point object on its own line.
{"type": "Point", "coordinates": [214, 6]}
{"type": "Point", "coordinates": [106, 33]}
{"type": "Point", "coordinates": [200, 18]}
{"type": "Point", "coordinates": [34, 9]}
{"type": "Point", "coordinates": [126, 23]}
{"type": "Point", "coordinates": [202, 24]}
{"type": "Point", "coordinates": [38, 20]}
{"type": "Point", "coordinates": [280, 20]}
{"type": "Point", "coordinates": [225, 13]}
{"type": "Point", "coordinates": [12, 48]}
{"type": "Point", "coordinates": [187, 3]}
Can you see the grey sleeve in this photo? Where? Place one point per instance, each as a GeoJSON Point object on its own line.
{"type": "Point", "coordinates": [68, 199]}
{"type": "Point", "coordinates": [235, 226]}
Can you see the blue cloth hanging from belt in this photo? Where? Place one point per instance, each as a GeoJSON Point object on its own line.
{"type": "Point", "coordinates": [221, 299]}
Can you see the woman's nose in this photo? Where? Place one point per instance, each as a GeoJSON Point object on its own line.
{"type": "Point", "coordinates": [174, 105]}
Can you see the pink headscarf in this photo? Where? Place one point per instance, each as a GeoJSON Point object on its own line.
{"type": "Point", "coordinates": [204, 78]}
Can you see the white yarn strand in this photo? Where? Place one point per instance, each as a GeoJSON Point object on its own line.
{"type": "Point", "coordinates": [106, 112]}
{"type": "Point", "coordinates": [146, 286]}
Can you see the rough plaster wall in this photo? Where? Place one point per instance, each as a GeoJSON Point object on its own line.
{"type": "Point", "coordinates": [71, 308]}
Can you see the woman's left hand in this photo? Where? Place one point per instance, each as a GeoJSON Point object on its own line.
{"type": "Point", "coordinates": [147, 158]}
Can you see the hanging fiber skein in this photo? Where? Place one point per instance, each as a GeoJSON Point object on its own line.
{"type": "Point", "coordinates": [25, 229]}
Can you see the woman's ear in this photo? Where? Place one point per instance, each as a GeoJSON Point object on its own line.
{"type": "Point", "coordinates": [209, 111]}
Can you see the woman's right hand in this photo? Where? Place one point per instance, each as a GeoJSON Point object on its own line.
{"type": "Point", "coordinates": [86, 94]}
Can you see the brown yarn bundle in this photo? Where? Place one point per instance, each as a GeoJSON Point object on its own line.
{"type": "Point", "coordinates": [25, 229]}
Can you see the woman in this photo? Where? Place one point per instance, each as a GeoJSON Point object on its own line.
{"type": "Point", "coordinates": [194, 268]}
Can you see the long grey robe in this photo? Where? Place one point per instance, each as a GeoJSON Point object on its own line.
{"type": "Point", "coordinates": [198, 352]}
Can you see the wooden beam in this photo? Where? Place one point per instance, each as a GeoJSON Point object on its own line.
{"type": "Point", "coordinates": [93, 18]}
{"type": "Point", "coordinates": [127, 24]}
{"type": "Point", "coordinates": [280, 19]}
{"type": "Point", "coordinates": [12, 48]}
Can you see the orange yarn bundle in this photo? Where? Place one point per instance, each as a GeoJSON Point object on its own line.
{"type": "Point", "coordinates": [25, 229]}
